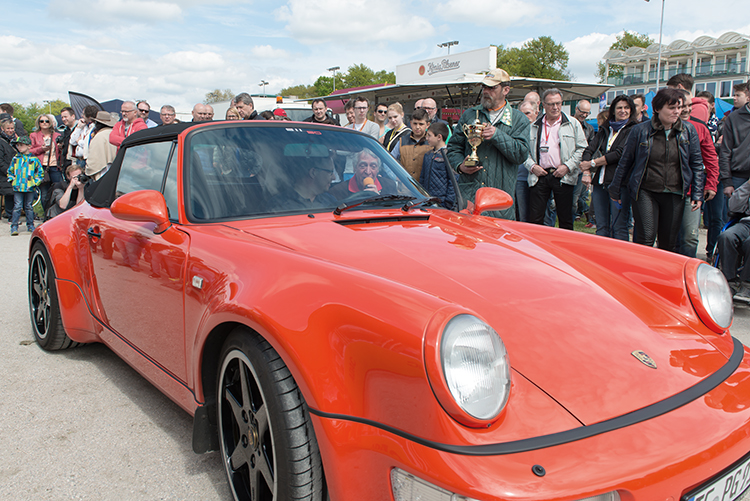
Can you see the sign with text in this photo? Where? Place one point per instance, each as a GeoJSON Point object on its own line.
{"type": "Point", "coordinates": [447, 67]}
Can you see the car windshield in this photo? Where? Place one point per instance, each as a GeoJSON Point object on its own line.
{"type": "Point", "coordinates": [250, 171]}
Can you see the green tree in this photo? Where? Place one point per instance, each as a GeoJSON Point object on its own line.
{"type": "Point", "coordinates": [538, 58]}
{"type": "Point", "coordinates": [623, 42]}
{"type": "Point", "coordinates": [360, 75]}
{"type": "Point", "coordinates": [301, 91]}
{"type": "Point", "coordinates": [324, 85]}
{"type": "Point", "coordinates": [28, 114]}
{"type": "Point", "coordinates": [218, 96]}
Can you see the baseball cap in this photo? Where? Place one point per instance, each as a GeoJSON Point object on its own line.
{"type": "Point", "coordinates": [495, 77]}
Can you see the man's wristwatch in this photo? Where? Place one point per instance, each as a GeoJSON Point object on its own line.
{"type": "Point", "coordinates": [593, 163]}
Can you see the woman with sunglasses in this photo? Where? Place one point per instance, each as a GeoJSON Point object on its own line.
{"type": "Point", "coordinates": [46, 147]}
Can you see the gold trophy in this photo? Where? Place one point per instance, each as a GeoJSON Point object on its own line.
{"type": "Point", "coordinates": [474, 136]}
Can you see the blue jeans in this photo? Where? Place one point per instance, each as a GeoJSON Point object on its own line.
{"type": "Point", "coordinates": [687, 241]}
{"type": "Point", "coordinates": [622, 222]}
{"type": "Point", "coordinates": [606, 211]}
{"type": "Point", "coordinates": [55, 175]}
{"type": "Point", "coordinates": [22, 200]}
{"type": "Point", "coordinates": [714, 218]}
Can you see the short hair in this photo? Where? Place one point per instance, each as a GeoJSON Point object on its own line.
{"type": "Point", "coordinates": [362, 99]}
{"type": "Point", "coordinates": [7, 108]}
{"type": "Point", "coordinates": [582, 100]}
{"type": "Point", "coordinates": [631, 105]}
{"type": "Point", "coordinates": [167, 107]}
{"type": "Point", "coordinates": [685, 94]}
{"type": "Point", "coordinates": [397, 108]}
{"type": "Point", "coordinates": [349, 105]}
{"type": "Point", "coordinates": [144, 102]}
{"type": "Point", "coordinates": [685, 80]}
{"type": "Point", "coordinates": [69, 110]}
{"type": "Point", "coordinates": [439, 129]}
{"type": "Point", "coordinates": [527, 103]}
{"type": "Point", "coordinates": [318, 100]}
{"type": "Point", "coordinates": [245, 98]}
{"type": "Point", "coordinates": [90, 111]}
{"type": "Point", "coordinates": [706, 95]}
{"type": "Point", "coordinates": [268, 115]}
{"type": "Point", "coordinates": [639, 96]}
{"type": "Point", "coordinates": [741, 87]}
{"type": "Point", "coordinates": [664, 97]}
{"type": "Point", "coordinates": [73, 167]}
{"type": "Point", "coordinates": [420, 114]}
{"type": "Point", "coordinates": [6, 121]}
{"type": "Point", "coordinates": [550, 91]}
{"type": "Point", "coordinates": [365, 151]}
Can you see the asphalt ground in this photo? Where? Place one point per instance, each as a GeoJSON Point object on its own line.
{"type": "Point", "coordinates": [81, 424]}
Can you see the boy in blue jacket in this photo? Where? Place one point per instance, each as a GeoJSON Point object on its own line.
{"type": "Point", "coordinates": [25, 172]}
{"type": "Point", "coordinates": [437, 175]}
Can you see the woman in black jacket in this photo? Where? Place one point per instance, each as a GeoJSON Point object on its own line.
{"type": "Point", "coordinates": [599, 163]}
{"type": "Point", "coordinates": [7, 152]}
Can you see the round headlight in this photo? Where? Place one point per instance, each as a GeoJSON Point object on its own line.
{"type": "Point", "coordinates": [475, 366]}
{"type": "Point", "coordinates": [716, 295]}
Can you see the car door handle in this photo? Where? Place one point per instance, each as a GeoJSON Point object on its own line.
{"type": "Point", "coordinates": [93, 234]}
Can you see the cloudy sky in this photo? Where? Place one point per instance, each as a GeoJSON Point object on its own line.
{"type": "Point", "coordinates": [174, 51]}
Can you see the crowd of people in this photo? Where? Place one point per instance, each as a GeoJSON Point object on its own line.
{"type": "Point", "coordinates": [649, 177]}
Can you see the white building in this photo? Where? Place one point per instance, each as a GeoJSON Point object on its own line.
{"type": "Point", "coordinates": [717, 64]}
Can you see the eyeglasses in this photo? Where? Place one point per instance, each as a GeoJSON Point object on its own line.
{"type": "Point", "coordinates": [487, 87]}
{"type": "Point", "coordinates": [127, 111]}
{"type": "Point", "coordinates": [360, 108]}
{"type": "Point", "coordinates": [329, 171]}
{"type": "Point", "coordinates": [584, 113]}
{"type": "Point", "coordinates": [142, 110]}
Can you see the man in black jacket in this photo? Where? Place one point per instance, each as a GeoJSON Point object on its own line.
{"type": "Point", "coordinates": [734, 152]}
{"type": "Point", "coordinates": [319, 115]}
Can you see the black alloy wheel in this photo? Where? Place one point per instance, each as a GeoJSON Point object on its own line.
{"type": "Point", "coordinates": [266, 438]}
{"type": "Point", "coordinates": [46, 322]}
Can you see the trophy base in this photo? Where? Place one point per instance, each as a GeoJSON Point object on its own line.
{"type": "Point", "coordinates": [470, 162]}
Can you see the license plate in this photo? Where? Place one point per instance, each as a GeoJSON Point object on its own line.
{"type": "Point", "coordinates": [728, 486]}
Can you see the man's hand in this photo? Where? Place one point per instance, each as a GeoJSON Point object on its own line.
{"type": "Point", "coordinates": [728, 190]}
{"type": "Point", "coordinates": [696, 205]}
{"type": "Point", "coordinates": [561, 171]}
{"type": "Point", "coordinates": [537, 170]}
{"type": "Point", "coordinates": [469, 170]}
{"type": "Point", "coordinates": [708, 195]}
{"type": "Point", "coordinates": [488, 132]}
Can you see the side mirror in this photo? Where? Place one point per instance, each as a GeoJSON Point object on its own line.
{"type": "Point", "coordinates": [491, 199]}
{"type": "Point", "coordinates": [146, 206]}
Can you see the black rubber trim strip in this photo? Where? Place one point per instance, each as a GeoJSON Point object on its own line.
{"type": "Point", "coordinates": [564, 437]}
{"type": "Point", "coordinates": [406, 218]}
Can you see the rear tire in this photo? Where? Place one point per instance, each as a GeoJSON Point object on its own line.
{"type": "Point", "coordinates": [46, 322]}
{"type": "Point", "coordinates": [266, 438]}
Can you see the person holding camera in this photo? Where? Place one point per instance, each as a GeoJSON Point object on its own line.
{"type": "Point", "coordinates": [66, 195]}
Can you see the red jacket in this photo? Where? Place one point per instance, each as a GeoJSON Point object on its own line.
{"type": "Point", "coordinates": [37, 147]}
{"type": "Point", "coordinates": [118, 135]}
{"type": "Point", "coordinates": [708, 152]}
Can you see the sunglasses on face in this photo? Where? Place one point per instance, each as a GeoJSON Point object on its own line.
{"type": "Point", "coordinates": [43, 121]}
{"type": "Point", "coordinates": [142, 111]}
{"type": "Point", "coordinates": [381, 111]}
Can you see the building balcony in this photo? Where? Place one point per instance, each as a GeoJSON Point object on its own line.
{"type": "Point", "coordinates": [701, 71]}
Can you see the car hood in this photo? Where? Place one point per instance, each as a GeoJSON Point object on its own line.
{"type": "Point", "coordinates": [570, 327]}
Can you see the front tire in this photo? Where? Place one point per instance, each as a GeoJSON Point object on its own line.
{"type": "Point", "coordinates": [266, 439]}
{"type": "Point", "coordinates": [46, 322]}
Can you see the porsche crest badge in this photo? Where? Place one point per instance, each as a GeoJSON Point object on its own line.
{"type": "Point", "coordinates": [644, 358]}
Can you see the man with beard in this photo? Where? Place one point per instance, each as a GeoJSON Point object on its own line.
{"type": "Point", "coordinates": [505, 142]}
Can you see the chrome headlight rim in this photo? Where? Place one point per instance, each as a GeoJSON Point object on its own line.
{"type": "Point", "coordinates": [434, 339]}
{"type": "Point", "coordinates": [710, 295]}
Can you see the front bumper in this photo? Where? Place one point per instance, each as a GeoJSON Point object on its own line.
{"type": "Point", "coordinates": [661, 458]}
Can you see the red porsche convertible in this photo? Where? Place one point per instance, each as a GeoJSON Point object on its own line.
{"type": "Point", "coordinates": [336, 334]}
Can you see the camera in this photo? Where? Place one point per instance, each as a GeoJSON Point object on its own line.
{"type": "Point", "coordinates": [82, 178]}
{"type": "Point", "coordinates": [59, 140]}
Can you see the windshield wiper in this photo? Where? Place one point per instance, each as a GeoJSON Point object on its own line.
{"type": "Point", "coordinates": [379, 198]}
{"type": "Point", "coordinates": [413, 203]}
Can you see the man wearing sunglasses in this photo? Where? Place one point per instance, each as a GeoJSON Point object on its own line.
{"type": "Point", "coordinates": [505, 142]}
{"type": "Point", "coordinates": [143, 110]}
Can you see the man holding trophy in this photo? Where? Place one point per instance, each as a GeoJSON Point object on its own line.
{"type": "Point", "coordinates": [489, 142]}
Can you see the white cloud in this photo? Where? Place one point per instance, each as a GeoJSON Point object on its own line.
{"type": "Point", "coordinates": [268, 52]}
{"type": "Point", "coordinates": [584, 52]}
{"type": "Point", "coordinates": [495, 13]}
{"type": "Point", "coordinates": [352, 22]}
{"type": "Point", "coordinates": [108, 12]}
